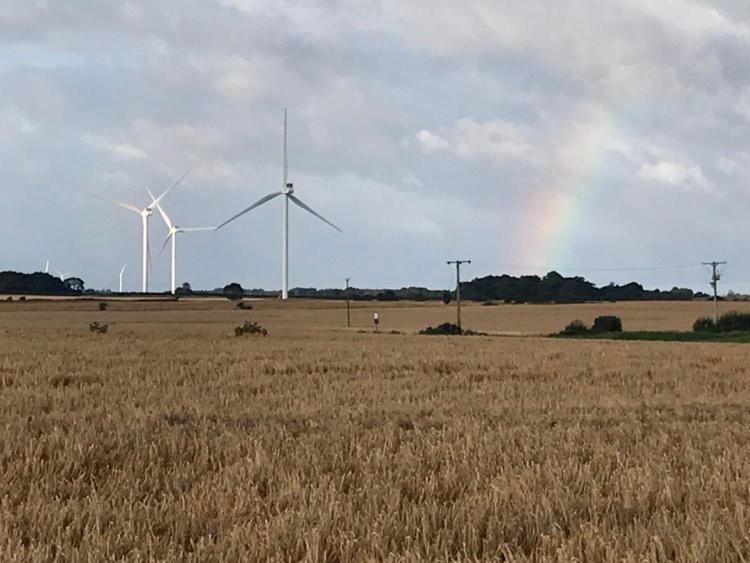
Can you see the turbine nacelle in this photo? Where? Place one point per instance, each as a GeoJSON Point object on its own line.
{"type": "Point", "coordinates": [288, 188]}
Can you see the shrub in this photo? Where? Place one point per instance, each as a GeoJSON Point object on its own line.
{"type": "Point", "coordinates": [575, 328]}
{"type": "Point", "coordinates": [449, 329]}
{"type": "Point", "coordinates": [244, 306]}
{"type": "Point", "coordinates": [607, 324]}
{"type": "Point", "coordinates": [734, 322]}
{"type": "Point", "coordinates": [103, 306]}
{"type": "Point", "coordinates": [445, 328]}
{"type": "Point", "coordinates": [250, 328]}
{"type": "Point", "coordinates": [22, 298]}
{"type": "Point", "coordinates": [9, 298]}
{"type": "Point", "coordinates": [704, 324]}
{"type": "Point", "coordinates": [98, 328]}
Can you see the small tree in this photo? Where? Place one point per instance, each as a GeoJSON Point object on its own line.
{"type": "Point", "coordinates": [233, 291]}
{"type": "Point", "coordinates": [447, 297]}
{"type": "Point", "coordinates": [74, 284]}
{"type": "Point", "coordinates": [183, 290]}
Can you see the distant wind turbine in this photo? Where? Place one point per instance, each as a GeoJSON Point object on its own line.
{"type": "Point", "coordinates": [174, 230]}
{"type": "Point", "coordinates": [62, 275]}
{"type": "Point", "coordinates": [122, 272]}
{"type": "Point", "coordinates": [287, 191]}
{"type": "Point", "coordinates": [145, 213]}
{"type": "Point", "coordinates": [46, 267]}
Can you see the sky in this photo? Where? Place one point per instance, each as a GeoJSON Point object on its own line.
{"type": "Point", "coordinates": [606, 138]}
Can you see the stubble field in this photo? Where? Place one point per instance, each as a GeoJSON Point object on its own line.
{"type": "Point", "coordinates": [170, 439]}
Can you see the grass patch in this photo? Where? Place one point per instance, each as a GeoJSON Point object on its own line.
{"type": "Point", "coordinates": [664, 336]}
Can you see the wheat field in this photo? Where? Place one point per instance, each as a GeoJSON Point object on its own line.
{"type": "Point", "coordinates": [169, 439]}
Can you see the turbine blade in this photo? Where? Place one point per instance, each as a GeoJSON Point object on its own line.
{"type": "Point", "coordinates": [195, 229]}
{"type": "Point", "coordinates": [123, 269]}
{"type": "Point", "coordinates": [309, 210]}
{"type": "Point", "coordinates": [163, 246]}
{"type": "Point", "coordinates": [286, 156]}
{"type": "Point", "coordinates": [177, 183]}
{"type": "Point", "coordinates": [261, 201]}
{"type": "Point", "coordinates": [127, 206]}
{"type": "Point", "coordinates": [164, 216]}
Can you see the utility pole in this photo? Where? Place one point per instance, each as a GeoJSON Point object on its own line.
{"type": "Point", "coordinates": [348, 313]}
{"type": "Point", "coordinates": [458, 287]}
{"type": "Point", "coordinates": [715, 277]}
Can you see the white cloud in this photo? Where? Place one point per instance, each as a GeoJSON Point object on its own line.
{"type": "Point", "coordinates": [498, 141]}
{"type": "Point", "coordinates": [727, 166]}
{"type": "Point", "coordinates": [687, 177]}
{"type": "Point", "coordinates": [118, 151]}
{"type": "Point", "coordinates": [430, 142]}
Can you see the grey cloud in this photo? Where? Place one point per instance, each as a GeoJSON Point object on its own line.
{"type": "Point", "coordinates": [628, 97]}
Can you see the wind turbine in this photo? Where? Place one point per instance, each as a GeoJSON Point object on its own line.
{"type": "Point", "coordinates": [122, 272]}
{"type": "Point", "coordinates": [174, 230]}
{"type": "Point", "coordinates": [62, 275]}
{"type": "Point", "coordinates": [287, 191]}
{"type": "Point", "coordinates": [145, 213]}
{"type": "Point", "coordinates": [46, 267]}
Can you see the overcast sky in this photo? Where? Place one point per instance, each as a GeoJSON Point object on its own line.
{"type": "Point", "coordinates": [583, 136]}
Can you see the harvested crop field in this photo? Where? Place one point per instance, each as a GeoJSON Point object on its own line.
{"type": "Point", "coordinates": [170, 439]}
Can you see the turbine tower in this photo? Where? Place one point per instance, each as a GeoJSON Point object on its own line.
{"type": "Point", "coordinates": [287, 191]}
{"type": "Point", "coordinates": [174, 230]}
{"type": "Point", "coordinates": [145, 213]}
{"type": "Point", "coordinates": [122, 272]}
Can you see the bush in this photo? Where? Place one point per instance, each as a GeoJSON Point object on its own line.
{"type": "Point", "coordinates": [244, 306]}
{"type": "Point", "coordinates": [445, 328]}
{"type": "Point", "coordinates": [704, 324]}
{"type": "Point", "coordinates": [103, 306]}
{"type": "Point", "coordinates": [607, 324]}
{"type": "Point", "coordinates": [98, 328]}
{"type": "Point", "coordinates": [734, 322]}
{"type": "Point", "coordinates": [22, 298]}
{"type": "Point", "coordinates": [575, 328]}
{"type": "Point", "coordinates": [449, 329]}
{"type": "Point", "coordinates": [250, 328]}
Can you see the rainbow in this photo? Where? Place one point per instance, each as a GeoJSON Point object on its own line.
{"type": "Point", "coordinates": [554, 215]}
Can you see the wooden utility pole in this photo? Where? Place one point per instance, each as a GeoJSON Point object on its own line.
{"type": "Point", "coordinates": [715, 277]}
{"type": "Point", "coordinates": [458, 287]}
{"type": "Point", "coordinates": [348, 313]}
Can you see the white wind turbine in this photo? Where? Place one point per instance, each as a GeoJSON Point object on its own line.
{"type": "Point", "coordinates": [145, 213]}
{"type": "Point", "coordinates": [122, 272]}
{"type": "Point", "coordinates": [174, 230]}
{"type": "Point", "coordinates": [287, 191]}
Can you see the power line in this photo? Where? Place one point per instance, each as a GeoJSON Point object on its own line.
{"type": "Point", "coordinates": [583, 269]}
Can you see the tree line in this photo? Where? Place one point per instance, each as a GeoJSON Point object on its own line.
{"type": "Point", "coordinates": [551, 288]}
